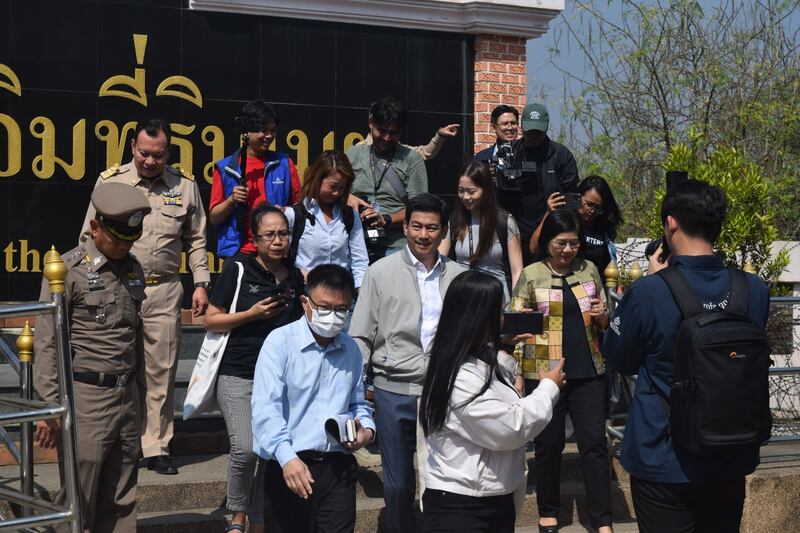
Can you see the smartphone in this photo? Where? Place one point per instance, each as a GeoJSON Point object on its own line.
{"type": "Point", "coordinates": [284, 294]}
{"type": "Point", "coordinates": [516, 323]}
{"type": "Point", "coordinates": [665, 251]}
{"type": "Point", "coordinates": [573, 201]}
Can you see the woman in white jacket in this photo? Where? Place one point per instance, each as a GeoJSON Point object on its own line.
{"type": "Point", "coordinates": [476, 424]}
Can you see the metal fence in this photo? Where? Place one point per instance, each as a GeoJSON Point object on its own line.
{"type": "Point", "coordinates": [35, 511]}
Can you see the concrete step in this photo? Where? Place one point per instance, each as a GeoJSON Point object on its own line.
{"type": "Point", "coordinates": [369, 511]}
{"type": "Point", "coordinates": [194, 499]}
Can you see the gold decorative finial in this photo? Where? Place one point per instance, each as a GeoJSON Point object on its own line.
{"type": "Point", "coordinates": [635, 271]}
{"type": "Point", "coordinates": [749, 267]}
{"type": "Point", "coordinates": [55, 270]}
{"type": "Point", "coordinates": [611, 274]}
{"type": "Point", "coordinates": [25, 344]}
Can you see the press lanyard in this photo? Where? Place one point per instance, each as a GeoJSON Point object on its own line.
{"type": "Point", "coordinates": [373, 161]}
{"type": "Point", "coordinates": [469, 232]}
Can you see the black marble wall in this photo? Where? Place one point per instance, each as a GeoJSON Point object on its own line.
{"type": "Point", "coordinates": [86, 68]}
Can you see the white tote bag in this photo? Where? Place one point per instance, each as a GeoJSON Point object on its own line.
{"type": "Point", "coordinates": [201, 395]}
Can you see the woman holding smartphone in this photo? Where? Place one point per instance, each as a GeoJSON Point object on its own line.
{"type": "Point", "coordinates": [483, 236]}
{"type": "Point", "coordinates": [268, 299]}
{"type": "Point", "coordinates": [475, 423]}
{"type": "Point", "coordinates": [599, 215]}
{"type": "Point", "coordinates": [568, 290]}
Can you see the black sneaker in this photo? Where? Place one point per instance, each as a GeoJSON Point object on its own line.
{"type": "Point", "coordinates": [162, 464]}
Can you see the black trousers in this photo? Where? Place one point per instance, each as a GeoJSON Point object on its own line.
{"type": "Point", "coordinates": [585, 400]}
{"type": "Point", "coordinates": [447, 511]}
{"type": "Point", "coordinates": [714, 506]}
{"type": "Point", "coordinates": [331, 507]}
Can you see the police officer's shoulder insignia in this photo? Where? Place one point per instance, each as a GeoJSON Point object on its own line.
{"type": "Point", "coordinates": [113, 170]}
{"type": "Point", "coordinates": [179, 171]}
{"type": "Point", "coordinates": [74, 256]}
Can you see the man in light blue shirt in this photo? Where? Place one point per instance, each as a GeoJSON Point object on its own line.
{"type": "Point", "coordinates": [307, 372]}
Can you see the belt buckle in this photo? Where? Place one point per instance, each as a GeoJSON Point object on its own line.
{"type": "Point", "coordinates": [152, 281]}
{"type": "Point", "coordinates": [123, 379]}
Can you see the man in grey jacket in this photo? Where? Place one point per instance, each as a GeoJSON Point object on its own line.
{"type": "Point", "coordinates": [394, 322]}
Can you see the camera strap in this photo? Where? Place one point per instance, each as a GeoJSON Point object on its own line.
{"type": "Point", "coordinates": [469, 232]}
{"type": "Point", "coordinates": [391, 175]}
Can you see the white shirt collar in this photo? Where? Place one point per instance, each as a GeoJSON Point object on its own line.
{"type": "Point", "coordinates": [418, 264]}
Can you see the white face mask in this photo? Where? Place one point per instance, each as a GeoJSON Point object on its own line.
{"type": "Point", "coordinates": [326, 326]}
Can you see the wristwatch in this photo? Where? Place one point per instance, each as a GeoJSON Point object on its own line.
{"type": "Point", "coordinates": [387, 219]}
{"type": "Point", "coordinates": [202, 285]}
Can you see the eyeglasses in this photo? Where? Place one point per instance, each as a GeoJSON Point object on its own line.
{"type": "Point", "coordinates": [510, 124]}
{"type": "Point", "coordinates": [270, 236]}
{"type": "Point", "coordinates": [560, 244]}
{"type": "Point", "coordinates": [598, 209]}
{"type": "Point", "coordinates": [341, 312]}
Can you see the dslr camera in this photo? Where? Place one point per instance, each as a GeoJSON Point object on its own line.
{"type": "Point", "coordinates": [374, 235]}
{"type": "Point", "coordinates": [509, 174]}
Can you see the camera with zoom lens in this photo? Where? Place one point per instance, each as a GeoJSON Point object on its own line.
{"type": "Point", "coordinates": [510, 174]}
{"type": "Point", "coordinates": [247, 124]}
{"type": "Point", "coordinates": [503, 161]}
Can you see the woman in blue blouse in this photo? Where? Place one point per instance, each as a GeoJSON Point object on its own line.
{"type": "Point", "coordinates": [331, 230]}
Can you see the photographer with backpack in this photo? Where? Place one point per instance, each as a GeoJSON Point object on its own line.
{"type": "Point", "coordinates": [693, 331]}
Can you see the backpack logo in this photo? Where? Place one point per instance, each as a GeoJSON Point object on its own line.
{"type": "Point", "coordinates": [278, 181]}
{"type": "Point", "coordinates": [734, 355]}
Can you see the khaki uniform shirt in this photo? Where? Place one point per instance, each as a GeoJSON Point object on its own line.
{"type": "Point", "coordinates": [177, 222]}
{"type": "Point", "coordinates": [103, 299]}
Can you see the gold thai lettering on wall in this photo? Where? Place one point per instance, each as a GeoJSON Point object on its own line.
{"type": "Point", "coordinates": [44, 164]}
{"type": "Point", "coordinates": [10, 82]}
{"type": "Point", "coordinates": [114, 136]}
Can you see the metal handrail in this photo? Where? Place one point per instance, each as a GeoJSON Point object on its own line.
{"type": "Point", "coordinates": [10, 356]}
{"type": "Point", "coordinates": [28, 410]}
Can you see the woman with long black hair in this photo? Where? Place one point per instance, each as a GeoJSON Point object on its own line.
{"type": "Point", "coordinates": [600, 217]}
{"type": "Point", "coordinates": [483, 236]}
{"type": "Point", "coordinates": [475, 423]}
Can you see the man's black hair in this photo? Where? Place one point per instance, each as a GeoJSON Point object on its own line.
{"type": "Point", "coordinates": [502, 110]}
{"type": "Point", "coordinates": [152, 126]}
{"type": "Point", "coordinates": [261, 111]}
{"type": "Point", "coordinates": [698, 207]}
{"type": "Point", "coordinates": [388, 111]}
{"type": "Point", "coordinates": [332, 277]}
{"type": "Point", "coordinates": [428, 203]}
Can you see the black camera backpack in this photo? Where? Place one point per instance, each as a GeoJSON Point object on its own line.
{"type": "Point", "coordinates": [719, 398]}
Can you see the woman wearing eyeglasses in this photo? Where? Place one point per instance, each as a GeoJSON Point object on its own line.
{"type": "Point", "coordinates": [600, 217]}
{"type": "Point", "coordinates": [568, 290]}
{"type": "Point", "coordinates": [268, 298]}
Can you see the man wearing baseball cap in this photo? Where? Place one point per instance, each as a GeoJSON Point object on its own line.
{"type": "Point", "coordinates": [104, 294]}
{"type": "Point", "coordinates": [556, 171]}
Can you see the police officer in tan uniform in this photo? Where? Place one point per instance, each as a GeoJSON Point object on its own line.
{"type": "Point", "coordinates": [104, 295]}
{"type": "Point", "coordinates": [177, 222]}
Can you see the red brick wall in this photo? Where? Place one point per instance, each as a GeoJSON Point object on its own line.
{"type": "Point", "coordinates": [499, 79]}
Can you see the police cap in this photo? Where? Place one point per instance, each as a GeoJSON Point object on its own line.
{"type": "Point", "coordinates": [121, 209]}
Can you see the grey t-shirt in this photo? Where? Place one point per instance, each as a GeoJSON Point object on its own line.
{"type": "Point", "coordinates": [411, 169]}
{"type": "Point", "coordinates": [492, 261]}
